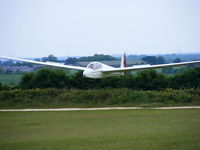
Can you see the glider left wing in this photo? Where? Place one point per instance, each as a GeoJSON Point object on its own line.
{"type": "Point", "coordinates": [53, 64]}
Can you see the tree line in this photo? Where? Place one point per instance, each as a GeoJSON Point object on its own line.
{"type": "Point", "coordinates": [95, 57]}
{"type": "Point", "coordinates": [144, 80]}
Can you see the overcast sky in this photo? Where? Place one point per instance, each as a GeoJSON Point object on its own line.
{"type": "Point", "coordinates": [36, 28]}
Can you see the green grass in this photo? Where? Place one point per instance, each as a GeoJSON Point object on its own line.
{"type": "Point", "coordinates": [10, 79]}
{"type": "Point", "coordinates": [99, 130]}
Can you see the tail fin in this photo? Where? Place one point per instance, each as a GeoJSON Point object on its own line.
{"type": "Point", "coordinates": [123, 61]}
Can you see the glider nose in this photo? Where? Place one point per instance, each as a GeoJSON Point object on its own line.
{"type": "Point", "coordinates": [85, 73]}
{"type": "Point", "coordinates": [88, 73]}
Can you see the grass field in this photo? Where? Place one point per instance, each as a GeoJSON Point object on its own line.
{"type": "Point", "coordinates": [99, 130]}
{"type": "Point", "coordinates": [10, 79]}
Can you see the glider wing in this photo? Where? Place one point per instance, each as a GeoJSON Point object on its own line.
{"type": "Point", "coordinates": [53, 64]}
{"type": "Point", "coordinates": [144, 67]}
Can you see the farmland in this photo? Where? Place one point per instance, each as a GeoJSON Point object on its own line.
{"type": "Point", "coordinates": [10, 79]}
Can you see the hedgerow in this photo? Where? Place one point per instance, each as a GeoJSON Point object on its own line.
{"type": "Point", "coordinates": [144, 80]}
{"type": "Point", "coordinates": [103, 97]}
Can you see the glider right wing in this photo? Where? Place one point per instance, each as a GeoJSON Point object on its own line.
{"type": "Point", "coordinates": [144, 67]}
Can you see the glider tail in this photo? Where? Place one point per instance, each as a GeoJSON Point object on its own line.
{"type": "Point", "coordinates": [123, 63]}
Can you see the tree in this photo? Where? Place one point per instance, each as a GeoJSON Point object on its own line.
{"type": "Point", "coordinates": [177, 60]}
{"type": "Point", "coordinates": [44, 78]}
{"type": "Point", "coordinates": [60, 79]}
{"type": "Point", "coordinates": [50, 58]}
{"type": "Point", "coordinates": [71, 60]}
{"type": "Point", "coordinates": [150, 80]}
{"type": "Point", "coordinates": [160, 60]}
{"type": "Point", "coordinates": [77, 81]}
{"type": "Point", "coordinates": [8, 63]}
{"type": "Point", "coordinates": [153, 60]}
{"type": "Point", "coordinates": [97, 57]}
{"type": "Point", "coordinates": [188, 79]}
{"type": "Point", "coordinates": [27, 81]}
{"type": "Point", "coordinates": [110, 82]}
{"type": "Point", "coordinates": [37, 59]}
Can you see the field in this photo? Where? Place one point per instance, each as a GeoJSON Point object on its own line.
{"type": "Point", "coordinates": [89, 130]}
{"type": "Point", "coordinates": [10, 79]}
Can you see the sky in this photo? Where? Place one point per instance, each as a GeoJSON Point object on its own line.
{"type": "Point", "coordinates": [37, 28]}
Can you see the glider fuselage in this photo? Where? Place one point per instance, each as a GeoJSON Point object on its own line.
{"type": "Point", "coordinates": [94, 70]}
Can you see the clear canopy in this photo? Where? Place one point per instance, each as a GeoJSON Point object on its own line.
{"type": "Point", "coordinates": [94, 66]}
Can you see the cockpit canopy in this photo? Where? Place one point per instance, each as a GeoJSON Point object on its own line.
{"type": "Point", "coordinates": [94, 65]}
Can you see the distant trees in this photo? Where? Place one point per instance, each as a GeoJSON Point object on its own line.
{"type": "Point", "coordinates": [71, 60]}
{"type": "Point", "coordinates": [22, 64]}
{"type": "Point", "coordinates": [170, 57]}
{"type": "Point", "coordinates": [153, 60]}
{"type": "Point", "coordinates": [144, 80]}
{"type": "Point", "coordinates": [176, 60]}
{"type": "Point", "coordinates": [7, 63]}
{"type": "Point", "coordinates": [18, 63]}
{"type": "Point", "coordinates": [50, 58]}
{"type": "Point", "coordinates": [97, 57]}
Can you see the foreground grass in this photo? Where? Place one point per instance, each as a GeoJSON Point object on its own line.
{"type": "Point", "coordinates": [89, 130]}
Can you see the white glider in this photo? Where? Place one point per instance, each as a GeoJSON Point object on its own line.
{"type": "Point", "coordinates": [100, 70]}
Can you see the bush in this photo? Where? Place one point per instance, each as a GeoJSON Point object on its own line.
{"type": "Point", "coordinates": [44, 79]}
{"type": "Point", "coordinates": [188, 79]}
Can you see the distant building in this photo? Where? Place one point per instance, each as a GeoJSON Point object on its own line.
{"type": "Point", "coordinates": [114, 63]}
{"type": "Point", "coordinates": [18, 68]}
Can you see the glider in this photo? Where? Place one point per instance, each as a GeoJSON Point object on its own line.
{"type": "Point", "coordinates": [100, 70]}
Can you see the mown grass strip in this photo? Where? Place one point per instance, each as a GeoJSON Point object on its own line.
{"type": "Point", "coordinates": [113, 129]}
